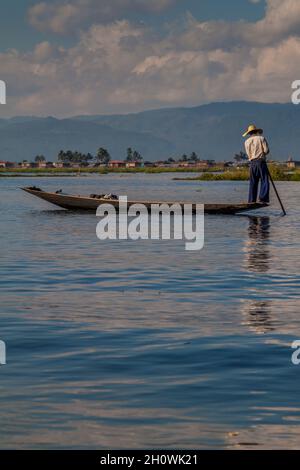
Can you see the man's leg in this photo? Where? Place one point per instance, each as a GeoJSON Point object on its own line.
{"type": "Point", "coordinates": [254, 179]}
{"type": "Point", "coordinates": [264, 195]}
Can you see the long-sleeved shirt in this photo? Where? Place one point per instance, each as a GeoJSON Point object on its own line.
{"type": "Point", "coordinates": [256, 147]}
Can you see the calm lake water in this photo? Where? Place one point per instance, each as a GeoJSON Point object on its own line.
{"type": "Point", "coordinates": [142, 344]}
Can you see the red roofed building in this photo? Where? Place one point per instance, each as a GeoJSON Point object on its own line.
{"type": "Point", "coordinates": [116, 164]}
{"type": "Point", "coordinates": [4, 164]}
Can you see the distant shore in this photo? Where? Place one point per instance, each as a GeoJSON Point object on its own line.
{"type": "Point", "coordinates": [33, 172]}
{"type": "Point", "coordinates": [279, 173]}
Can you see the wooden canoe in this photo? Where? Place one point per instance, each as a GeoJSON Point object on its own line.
{"type": "Point", "coordinates": [84, 203]}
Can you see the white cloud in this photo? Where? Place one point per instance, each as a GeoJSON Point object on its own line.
{"type": "Point", "coordinates": [65, 17]}
{"type": "Point", "coordinates": [121, 67]}
{"type": "Point", "coordinates": [282, 20]}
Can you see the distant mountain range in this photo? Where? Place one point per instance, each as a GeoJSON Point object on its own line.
{"type": "Point", "coordinates": [213, 131]}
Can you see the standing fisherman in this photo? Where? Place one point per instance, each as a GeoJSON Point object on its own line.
{"type": "Point", "coordinates": [257, 149]}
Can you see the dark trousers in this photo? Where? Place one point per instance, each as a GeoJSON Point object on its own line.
{"type": "Point", "coordinates": [259, 172]}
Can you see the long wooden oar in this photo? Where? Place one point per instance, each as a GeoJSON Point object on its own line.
{"type": "Point", "coordinates": [276, 192]}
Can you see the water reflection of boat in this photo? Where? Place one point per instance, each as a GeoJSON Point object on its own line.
{"type": "Point", "coordinates": [72, 202]}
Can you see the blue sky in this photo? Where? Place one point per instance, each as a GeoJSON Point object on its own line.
{"type": "Point", "coordinates": [68, 57]}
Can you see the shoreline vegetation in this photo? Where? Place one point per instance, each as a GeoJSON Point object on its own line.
{"type": "Point", "coordinates": [32, 172]}
{"type": "Point", "coordinates": [279, 173]}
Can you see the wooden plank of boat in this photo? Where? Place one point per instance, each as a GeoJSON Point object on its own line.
{"type": "Point", "coordinates": [72, 202]}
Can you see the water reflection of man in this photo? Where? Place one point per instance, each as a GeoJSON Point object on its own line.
{"type": "Point", "coordinates": [259, 314]}
{"type": "Point", "coordinates": [256, 246]}
{"type": "Point", "coordinates": [258, 261]}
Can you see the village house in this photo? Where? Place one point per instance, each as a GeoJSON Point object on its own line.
{"type": "Point", "coordinates": [76, 165]}
{"type": "Point", "coordinates": [26, 165]}
{"type": "Point", "coordinates": [116, 164]}
{"type": "Point", "coordinates": [161, 164]}
{"type": "Point", "coordinates": [60, 165]}
{"type": "Point", "coordinates": [45, 165]}
{"type": "Point", "coordinates": [205, 163]}
{"type": "Point", "coordinates": [97, 165]}
{"type": "Point", "coordinates": [5, 164]}
{"type": "Point", "coordinates": [292, 164]}
{"type": "Point", "coordinates": [185, 164]}
{"type": "Point", "coordinates": [134, 164]}
{"type": "Point", "coordinates": [198, 164]}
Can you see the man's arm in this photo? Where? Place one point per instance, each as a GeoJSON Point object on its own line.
{"type": "Point", "coordinates": [247, 149]}
{"type": "Point", "coordinates": [265, 145]}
